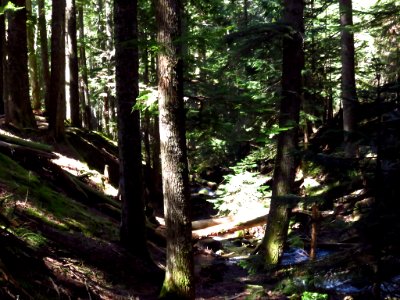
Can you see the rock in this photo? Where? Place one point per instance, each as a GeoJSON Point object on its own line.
{"type": "Point", "coordinates": [210, 244]}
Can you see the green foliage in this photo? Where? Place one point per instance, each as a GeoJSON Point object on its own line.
{"type": "Point", "coordinates": [295, 241]}
{"type": "Point", "coordinates": [147, 100]}
{"type": "Point", "coordinates": [233, 91]}
{"type": "Point", "coordinates": [244, 191]}
{"type": "Point", "coordinates": [255, 291]}
{"type": "Point", "coordinates": [34, 239]}
{"type": "Point", "coordinates": [253, 264]}
{"type": "Point", "coordinates": [314, 296]}
{"type": "Point", "coordinates": [11, 7]}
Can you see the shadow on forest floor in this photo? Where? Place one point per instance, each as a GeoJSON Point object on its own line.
{"type": "Point", "coordinates": [59, 238]}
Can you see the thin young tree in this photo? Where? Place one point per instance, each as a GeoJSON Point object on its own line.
{"type": "Point", "coordinates": [17, 80]}
{"type": "Point", "coordinates": [286, 162]}
{"type": "Point", "coordinates": [178, 282]}
{"type": "Point", "coordinates": [132, 231]}
{"type": "Point", "coordinates": [45, 67]}
{"type": "Point", "coordinates": [57, 77]}
{"type": "Point", "coordinates": [2, 56]}
{"type": "Point", "coordinates": [349, 92]}
{"type": "Point", "coordinates": [84, 96]}
{"type": "Point", "coordinates": [32, 57]}
{"type": "Point", "coordinates": [73, 64]}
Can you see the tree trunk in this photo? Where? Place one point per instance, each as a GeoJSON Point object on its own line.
{"type": "Point", "coordinates": [349, 93]}
{"type": "Point", "coordinates": [20, 108]}
{"type": "Point", "coordinates": [110, 67]}
{"type": "Point", "coordinates": [2, 57]}
{"type": "Point", "coordinates": [4, 63]}
{"type": "Point", "coordinates": [73, 65]}
{"type": "Point", "coordinates": [132, 231]}
{"type": "Point", "coordinates": [32, 59]}
{"type": "Point", "coordinates": [286, 161]}
{"type": "Point", "coordinates": [44, 54]}
{"type": "Point", "coordinates": [57, 87]}
{"type": "Point", "coordinates": [179, 278]}
{"type": "Point", "coordinates": [84, 95]}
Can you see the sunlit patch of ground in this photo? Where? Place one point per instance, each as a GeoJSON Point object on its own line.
{"type": "Point", "coordinates": [78, 168]}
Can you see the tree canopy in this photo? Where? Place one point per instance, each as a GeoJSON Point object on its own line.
{"type": "Point", "coordinates": [285, 110]}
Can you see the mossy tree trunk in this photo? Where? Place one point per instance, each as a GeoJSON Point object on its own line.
{"type": "Point", "coordinates": [286, 161]}
{"type": "Point", "coordinates": [20, 109]}
{"type": "Point", "coordinates": [132, 231]}
{"type": "Point", "coordinates": [179, 278]}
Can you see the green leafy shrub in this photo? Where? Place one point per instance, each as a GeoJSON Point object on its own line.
{"type": "Point", "coordinates": [314, 296]}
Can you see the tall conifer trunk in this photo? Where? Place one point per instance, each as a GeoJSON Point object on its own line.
{"type": "Point", "coordinates": [132, 231]}
{"type": "Point", "coordinates": [84, 95]}
{"type": "Point", "coordinates": [2, 55]}
{"type": "Point", "coordinates": [57, 77]}
{"type": "Point", "coordinates": [73, 64]}
{"type": "Point", "coordinates": [44, 55]}
{"type": "Point", "coordinates": [20, 109]}
{"type": "Point", "coordinates": [178, 283]}
{"type": "Point", "coordinates": [32, 58]}
{"type": "Point", "coordinates": [349, 93]}
{"type": "Point", "coordinates": [286, 162]}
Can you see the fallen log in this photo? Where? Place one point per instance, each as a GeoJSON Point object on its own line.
{"type": "Point", "coordinates": [229, 227]}
{"type": "Point", "coordinates": [40, 162]}
{"type": "Point", "coordinates": [81, 192]}
{"type": "Point", "coordinates": [200, 224]}
{"type": "Point", "coordinates": [14, 150]}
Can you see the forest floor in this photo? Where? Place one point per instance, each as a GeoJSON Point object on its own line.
{"type": "Point", "coordinates": [59, 220]}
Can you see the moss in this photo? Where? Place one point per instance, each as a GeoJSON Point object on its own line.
{"type": "Point", "coordinates": [26, 143]}
{"type": "Point", "coordinates": [177, 286]}
{"type": "Point", "coordinates": [33, 239]}
{"type": "Point", "coordinates": [53, 208]}
{"type": "Point", "coordinates": [256, 292]}
{"type": "Point", "coordinates": [273, 249]}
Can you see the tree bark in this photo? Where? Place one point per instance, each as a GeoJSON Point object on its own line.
{"type": "Point", "coordinates": [73, 64]}
{"type": "Point", "coordinates": [349, 93]}
{"type": "Point", "coordinates": [132, 231]}
{"type": "Point", "coordinates": [4, 63]}
{"type": "Point", "coordinates": [286, 161]}
{"type": "Point", "coordinates": [84, 94]}
{"type": "Point", "coordinates": [57, 87]}
{"type": "Point", "coordinates": [179, 278]}
{"type": "Point", "coordinates": [20, 109]}
{"type": "Point", "coordinates": [32, 59]}
{"type": "Point", "coordinates": [44, 54]}
{"type": "Point", "coordinates": [2, 57]}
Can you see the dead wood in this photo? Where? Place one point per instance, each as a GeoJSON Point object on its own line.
{"type": "Point", "coordinates": [39, 161]}
{"type": "Point", "coordinates": [200, 224]}
{"type": "Point", "coordinates": [97, 152]}
{"type": "Point", "coordinates": [217, 226]}
{"type": "Point", "coordinates": [229, 227]}
{"type": "Point", "coordinates": [81, 192]}
{"type": "Point", "coordinates": [19, 151]}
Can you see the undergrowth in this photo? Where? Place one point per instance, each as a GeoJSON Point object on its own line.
{"type": "Point", "coordinates": [34, 198]}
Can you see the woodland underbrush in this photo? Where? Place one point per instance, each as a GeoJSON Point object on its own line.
{"type": "Point", "coordinates": [59, 219]}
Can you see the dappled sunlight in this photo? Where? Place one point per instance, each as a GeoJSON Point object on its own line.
{"type": "Point", "coordinates": [42, 214]}
{"type": "Point", "coordinates": [80, 169]}
{"type": "Point", "coordinates": [243, 194]}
